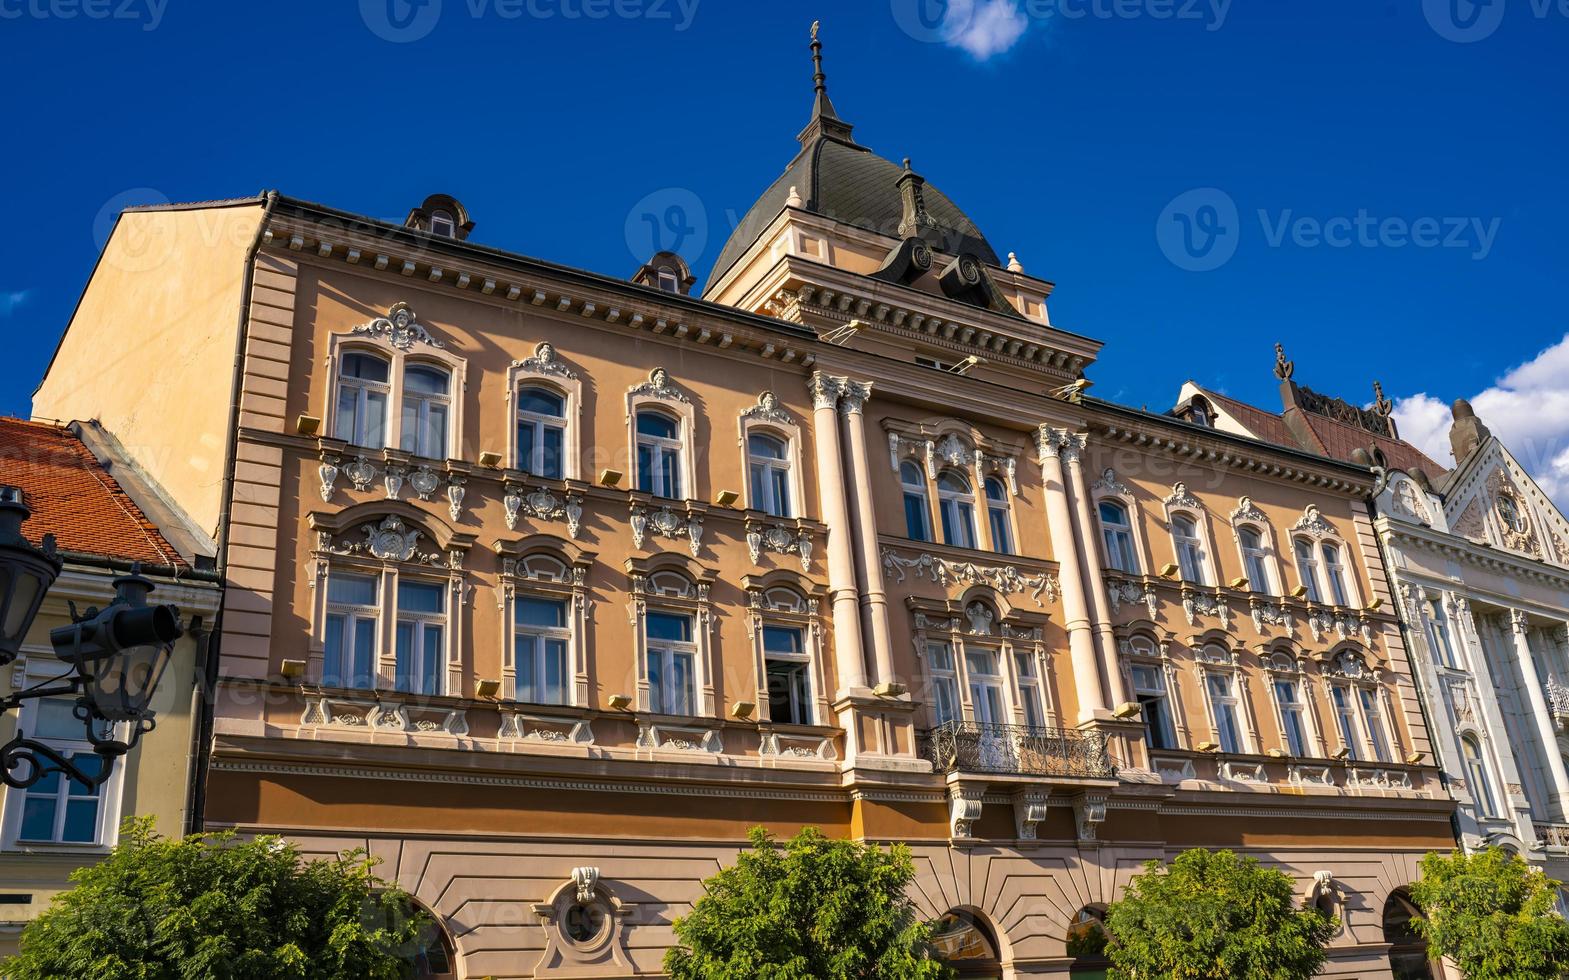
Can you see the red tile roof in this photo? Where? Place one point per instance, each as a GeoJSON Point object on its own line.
{"type": "Point", "coordinates": [73, 498]}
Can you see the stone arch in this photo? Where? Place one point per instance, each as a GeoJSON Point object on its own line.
{"type": "Point", "coordinates": [965, 937]}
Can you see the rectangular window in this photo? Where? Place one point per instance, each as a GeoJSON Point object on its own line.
{"type": "Point", "coordinates": [916, 526]}
{"type": "Point", "coordinates": [1307, 569]}
{"type": "Point", "coordinates": [1438, 635]}
{"type": "Point", "coordinates": [671, 656]}
{"type": "Point", "coordinates": [1373, 721]}
{"type": "Point", "coordinates": [539, 651]}
{"type": "Point", "coordinates": [789, 677]}
{"type": "Point", "coordinates": [945, 685]}
{"type": "Point", "coordinates": [1225, 707]}
{"type": "Point", "coordinates": [1029, 689]}
{"type": "Point", "coordinates": [1336, 570]}
{"type": "Point", "coordinates": [1002, 539]}
{"type": "Point", "coordinates": [1345, 719]}
{"type": "Point", "coordinates": [56, 809]}
{"type": "Point", "coordinates": [421, 637]}
{"type": "Point", "coordinates": [985, 686]}
{"type": "Point", "coordinates": [1149, 687]}
{"type": "Point", "coordinates": [1291, 713]}
{"type": "Point", "coordinates": [349, 654]}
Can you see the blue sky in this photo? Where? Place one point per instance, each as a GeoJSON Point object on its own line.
{"type": "Point", "coordinates": [1378, 185]}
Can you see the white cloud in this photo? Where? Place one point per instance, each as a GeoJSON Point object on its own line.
{"type": "Point", "coordinates": [9, 301]}
{"type": "Point", "coordinates": [984, 28]}
{"type": "Point", "coordinates": [1527, 408]}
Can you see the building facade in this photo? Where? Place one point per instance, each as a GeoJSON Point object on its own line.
{"type": "Point", "coordinates": [1478, 559]}
{"type": "Point", "coordinates": [545, 586]}
{"type": "Point", "coordinates": [55, 826]}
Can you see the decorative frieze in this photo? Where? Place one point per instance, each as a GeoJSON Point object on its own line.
{"type": "Point", "coordinates": [791, 745]}
{"type": "Point", "coordinates": [525, 727]}
{"type": "Point", "coordinates": [1196, 603]}
{"type": "Point", "coordinates": [1267, 613]}
{"type": "Point", "coordinates": [679, 738]}
{"type": "Point", "coordinates": [1006, 579]}
{"type": "Point", "coordinates": [542, 504]}
{"type": "Point", "coordinates": [666, 522]}
{"type": "Point", "coordinates": [377, 716]}
{"type": "Point", "coordinates": [1120, 591]}
{"type": "Point", "coordinates": [779, 539]}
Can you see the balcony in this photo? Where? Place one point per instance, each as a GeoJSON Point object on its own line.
{"type": "Point", "coordinates": [969, 747]}
{"type": "Point", "coordinates": [1554, 836]}
{"type": "Point", "coordinates": [1558, 702]}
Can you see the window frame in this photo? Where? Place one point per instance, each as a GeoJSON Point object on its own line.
{"type": "Point", "coordinates": [661, 394]}
{"type": "Point", "coordinates": [1215, 660]}
{"type": "Point", "coordinates": [1308, 567]}
{"type": "Point", "coordinates": [363, 389]}
{"type": "Point", "coordinates": [674, 588]}
{"type": "Point", "coordinates": [546, 568]}
{"type": "Point", "coordinates": [782, 600]}
{"type": "Point", "coordinates": [545, 369]}
{"type": "Point", "coordinates": [769, 418]}
{"type": "Point", "coordinates": [412, 345]}
{"type": "Point", "coordinates": [353, 614]}
{"type": "Point", "coordinates": [38, 665]}
{"type": "Point", "coordinates": [1109, 530]}
{"type": "Point", "coordinates": [1479, 768]}
{"type": "Point", "coordinates": [957, 509]}
{"type": "Point", "coordinates": [1248, 517]}
{"type": "Point", "coordinates": [777, 473]}
{"type": "Point", "coordinates": [1346, 672]}
{"type": "Point", "coordinates": [983, 623]}
{"type": "Point", "coordinates": [1445, 654]}
{"type": "Point", "coordinates": [1280, 668]}
{"type": "Point", "coordinates": [918, 494]}
{"type": "Point", "coordinates": [421, 403]}
{"type": "Point", "coordinates": [422, 621]}
{"type": "Point", "coordinates": [999, 517]}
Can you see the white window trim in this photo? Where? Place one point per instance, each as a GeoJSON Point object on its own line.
{"type": "Point", "coordinates": [767, 417]}
{"type": "Point", "coordinates": [1319, 583]}
{"type": "Point", "coordinates": [1333, 678]}
{"type": "Point", "coordinates": [1249, 516]}
{"type": "Point", "coordinates": [694, 604]}
{"type": "Point", "coordinates": [1134, 532]}
{"type": "Point", "coordinates": [1281, 665]}
{"type": "Point", "coordinates": [1003, 638]}
{"type": "Point", "coordinates": [431, 565]}
{"type": "Point", "coordinates": [36, 665]}
{"type": "Point", "coordinates": [955, 499]}
{"type": "Point", "coordinates": [1490, 768]}
{"type": "Point", "coordinates": [764, 612]}
{"type": "Point", "coordinates": [661, 394]}
{"type": "Point", "coordinates": [1181, 503]}
{"type": "Point", "coordinates": [1158, 654]}
{"type": "Point", "coordinates": [546, 369]}
{"type": "Point", "coordinates": [909, 489]}
{"type": "Point", "coordinates": [1006, 506]}
{"type": "Point", "coordinates": [399, 350]}
{"type": "Point", "coordinates": [518, 578]}
{"type": "Point", "coordinates": [1148, 662]}
{"type": "Point", "coordinates": [442, 619]}
{"type": "Point", "coordinates": [1214, 659]}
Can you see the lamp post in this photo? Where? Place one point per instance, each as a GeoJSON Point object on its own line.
{"type": "Point", "coordinates": [116, 656]}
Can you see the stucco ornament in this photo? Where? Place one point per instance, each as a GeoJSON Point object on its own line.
{"type": "Point", "coordinates": [1313, 523]}
{"type": "Point", "coordinates": [424, 481]}
{"type": "Point", "coordinates": [400, 328]}
{"type": "Point", "coordinates": [666, 523]}
{"type": "Point", "coordinates": [1004, 578]}
{"type": "Point", "coordinates": [390, 539]}
{"type": "Point", "coordinates": [545, 362]}
{"type": "Point", "coordinates": [328, 471]}
{"type": "Point", "coordinates": [778, 539]}
{"type": "Point", "coordinates": [659, 386]}
{"type": "Point", "coordinates": [585, 880]}
{"type": "Point", "coordinates": [768, 409]}
{"type": "Point", "coordinates": [361, 472]}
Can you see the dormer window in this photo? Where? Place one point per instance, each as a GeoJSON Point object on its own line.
{"type": "Point", "coordinates": [668, 281]}
{"type": "Point", "coordinates": [441, 224]}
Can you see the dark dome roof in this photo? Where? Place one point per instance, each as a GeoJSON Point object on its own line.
{"type": "Point", "coordinates": [851, 184]}
{"type": "Point", "coordinates": [843, 180]}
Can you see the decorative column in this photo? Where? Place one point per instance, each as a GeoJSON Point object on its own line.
{"type": "Point", "coordinates": [1076, 615]}
{"type": "Point", "coordinates": [868, 560]}
{"type": "Point", "coordinates": [1090, 567]}
{"type": "Point", "coordinates": [848, 646]}
{"type": "Point", "coordinates": [1541, 713]}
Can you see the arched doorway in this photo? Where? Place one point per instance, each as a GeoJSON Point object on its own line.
{"type": "Point", "coordinates": [1408, 957]}
{"type": "Point", "coordinates": [1087, 940]}
{"type": "Point", "coordinates": [431, 953]}
{"type": "Point", "coordinates": [965, 942]}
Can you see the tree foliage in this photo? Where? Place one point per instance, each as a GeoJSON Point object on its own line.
{"type": "Point", "coordinates": [1494, 916]}
{"type": "Point", "coordinates": [216, 906]}
{"type": "Point", "coordinates": [815, 909]}
{"type": "Point", "coordinates": [1214, 915]}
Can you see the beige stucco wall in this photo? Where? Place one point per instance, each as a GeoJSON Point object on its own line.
{"type": "Point", "coordinates": [150, 349]}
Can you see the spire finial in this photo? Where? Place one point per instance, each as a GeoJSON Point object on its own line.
{"type": "Point", "coordinates": [825, 119]}
{"type": "Point", "coordinates": [1284, 369]}
{"type": "Point", "coordinates": [1382, 405]}
{"type": "Point", "coordinates": [819, 79]}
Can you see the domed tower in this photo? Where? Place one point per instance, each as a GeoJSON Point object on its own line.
{"type": "Point", "coordinates": [845, 237]}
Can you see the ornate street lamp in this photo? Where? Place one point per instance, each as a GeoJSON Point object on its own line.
{"type": "Point", "coordinates": [116, 656]}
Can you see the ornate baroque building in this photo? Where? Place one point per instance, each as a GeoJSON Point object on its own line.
{"type": "Point", "coordinates": [545, 586]}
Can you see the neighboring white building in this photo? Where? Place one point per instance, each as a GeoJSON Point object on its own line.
{"type": "Point", "coordinates": [1480, 560]}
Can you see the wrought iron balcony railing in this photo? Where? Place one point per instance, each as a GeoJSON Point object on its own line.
{"type": "Point", "coordinates": [1018, 750]}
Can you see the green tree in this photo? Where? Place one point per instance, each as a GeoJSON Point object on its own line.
{"type": "Point", "coordinates": [1492, 915]}
{"type": "Point", "coordinates": [217, 906]}
{"type": "Point", "coordinates": [815, 909]}
{"type": "Point", "coordinates": [1214, 915]}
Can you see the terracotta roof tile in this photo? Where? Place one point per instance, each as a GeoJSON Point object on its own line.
{"type": "Point", "coordinates": [73, 498]}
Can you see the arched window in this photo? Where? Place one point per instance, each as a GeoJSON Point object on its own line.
{"type": "Point", "coordinates": [427, 405]}
{"type": "Point", "coordinates": [958, 509]}
{"type": "Point", "coordinates": [361, 415]}
{"type": "Point", "coordinates": [1087, 941]}
{"type": "Point", "coordinates": [1307, 568]}
{"type": "Point", "coordinates": [1335, 573]}
{"type": "Point", "coordinates": [1255, 559]}
{"type": "Point", "coordinates": [997, 516]}
{"type": "Point", "coordinates": [1509, 513]}
{"type": "Point", "coordinates": [769, 462]}
{"type": "Point", "coordinates": [1190, 549]}
{"type": "Point", "coordinates": [541, 431]}
{"type": "Point", "coordinates": [658, 454]}
{"type": "Point", "coordinates": [1476, 772]}
{"type": "Point", "coordinates": [966, 944]}
{"type": "Point", "coordinates": [1117, 532]}
{"type": "Point", "coordinates": [1199, 411]}
{"type": "Point", "coordinates": [441, 223]}
{"type": "Point", "coordinates": [1408, 954]}
{"type": "Point", "coordinates": [917, 515]}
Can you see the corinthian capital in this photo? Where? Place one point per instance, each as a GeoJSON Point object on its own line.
{"type": "Point", "coordinates": [1048, 442]}
{"type": "Point", "coordinates": [825, 389]}
{"type": "Point", "coordinates": [1518, 621]}
{"type": "Point", "coordinates": [853, 395]}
